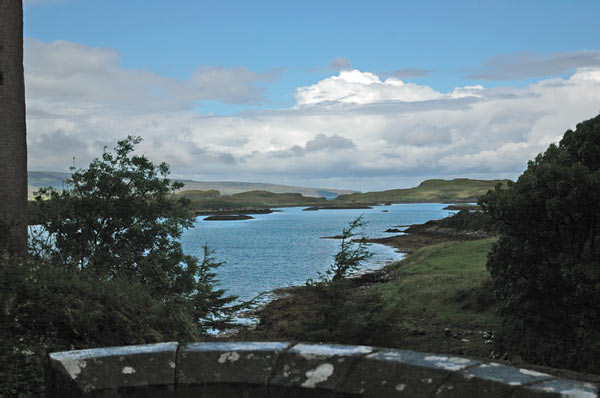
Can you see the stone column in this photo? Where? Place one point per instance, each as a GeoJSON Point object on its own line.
{"type": "Point", "coordinates": [13, 144]}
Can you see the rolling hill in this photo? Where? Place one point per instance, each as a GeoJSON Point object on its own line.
{"type": "Point", "coordinates": [437, 191]}
{"type": "Point", "coordinates": [38, 179]}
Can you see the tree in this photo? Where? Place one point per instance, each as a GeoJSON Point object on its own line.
{"type": "Point", "coordinates": [105, 269]}
{"type": "Point", "coordinates": [13, 145]}
{"type": "Point", "coordinates": [354, 250]}
{"type": "Point", "coordinates": [546, 265]}
{"type": "Point", "coordinates": [120, 219]}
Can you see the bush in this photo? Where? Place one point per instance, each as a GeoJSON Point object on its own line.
{"type": "Point", "coordinates": [106, 268]}
{"type": "Point", "coordinates": [334, 312]}
{"type": "Point", "coordinates": [546, 265]}
{"type": "Point", "coordinates": [333, 309]}
{"type": "Point", "coordinates": [45, 308]}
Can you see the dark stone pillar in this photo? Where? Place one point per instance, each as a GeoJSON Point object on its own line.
{"type": "Point", "coordinates": [13, 144]}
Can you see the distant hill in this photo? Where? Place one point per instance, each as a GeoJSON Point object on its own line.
{"type": "Point", "coordinates": [232, 194]}
{"type": "Point", "coordinates": [230, 188]}
{"type": "Point", "coordinates": [38, 179]}
{"type": "Point", "coordinates": [435, 191]}
{"type": "Point", "coordinates": [207, 200]}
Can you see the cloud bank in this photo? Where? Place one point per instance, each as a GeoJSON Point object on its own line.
{"type": "Point", "coordinates": [350, 130]}
{"type": "Point", "coordinates": [528, 65]}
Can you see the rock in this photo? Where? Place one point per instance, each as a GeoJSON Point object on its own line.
{"type": "Point", "coordinates": [392, 230]}
{"type": "Point", "coordinates": [447, 332]}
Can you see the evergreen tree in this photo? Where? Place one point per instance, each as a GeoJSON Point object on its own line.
{"type": "Point", "coordinates": [546, 265]}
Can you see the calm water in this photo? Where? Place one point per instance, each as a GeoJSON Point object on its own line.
{"type": "Point", "coordinates": [285, 248]}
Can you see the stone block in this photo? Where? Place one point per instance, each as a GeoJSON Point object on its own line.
{"type": "Point", "coordinates": [563, 388]}
{"type": "Point", "coordinates": [316, 368]}
{"type": "Point", "coordinates": [488, 379]}
{"type": "Point", "coordinates": [135, 371]}
{"type": "Point", "coordinates": [243, 369]}
{"type": "Point", "coordinates": [396, 373]}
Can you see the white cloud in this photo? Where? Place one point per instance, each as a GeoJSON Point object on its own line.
{"type": "Point", "coordinates": [349, 130]}
{"type": "Point", "coordinates": [64, 73]}
{"type": "Point", "coordinates": [354, 86]}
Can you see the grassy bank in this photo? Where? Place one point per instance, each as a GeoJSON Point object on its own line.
{"type": "Point", "coordinates": [444, 286]}
{"type": "Point", "coordinates": [437, 299]}
{"type": "Point", "coordinates": [435, 280]}
{"type": "Point", "coordinates": [433, 191]}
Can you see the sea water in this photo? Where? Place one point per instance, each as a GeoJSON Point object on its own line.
{"type": "Point", "coordinates": [286, 248]}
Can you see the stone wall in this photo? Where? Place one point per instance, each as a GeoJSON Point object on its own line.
{"type": "Point", "coordinates": [281, 369]}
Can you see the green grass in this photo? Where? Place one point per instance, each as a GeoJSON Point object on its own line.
{"type": "Point", "coordinates": [438, 287]}
{"type": "Point", "coordinates": [444, 282]}
{"type": "Point", "coordinates": [456, 190]}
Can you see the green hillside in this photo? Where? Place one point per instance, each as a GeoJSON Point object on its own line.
{"type": "Point", "coordinates": [436, 191]}
{"type": "Point", "coordinates": [38, 179]}
{"type": "Point", "coordinates": [232, 187]}
{"type": "Point", "coordinates": [207, 200]}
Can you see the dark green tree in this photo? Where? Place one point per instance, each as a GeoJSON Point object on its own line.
{"type": "Point", "coordinates": [546, 265]}
{"type": "Point", "coordinates": [212, 308]}
{"type": "Point", "coordinates": [119, 217]}
{"type": "Point", "coordinates": [106, 268]}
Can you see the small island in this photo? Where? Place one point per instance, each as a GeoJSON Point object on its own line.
{"type": "Point", "coordinates": [228, 217]}
{"type": "Point", "coordinates": [336, 207]}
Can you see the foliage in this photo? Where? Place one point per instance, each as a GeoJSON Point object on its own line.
{"type": "Point", "coordinates": [118, 218]}
{"type": "Point", "coordinates": [469, 222]}
{"type": "Point", "coordinates": [333, 313]}
{"type": "Point", "coordinates": [106, 268]}
{"type": "Point", "coordinates": [546, 266]}
{"type": "Point", "coordinates": [332, 309]}
{"type": "Point", "coordinates": [47, 308]}
{"type": "Point", "coordinates": [212, 309]}
{"type": "Point", "coordinates": [354, 250]}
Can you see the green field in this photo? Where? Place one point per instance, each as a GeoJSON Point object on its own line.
{"type": "Point", "coordinates": [440, 281]}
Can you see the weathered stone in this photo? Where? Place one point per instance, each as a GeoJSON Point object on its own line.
{"type": "Point", "coordinates": [243, 369]}
{"type": "Point", "coordinates": [559, 388]}
{"type": "Point", "coordinates": [275, 369]}
{"type": "Point", "coordinates": [143, 370]}
{"type": "Point", "coordinates": [317, 367]}
{"type": "Point", "coordinates": [395, 373]}
{"type": "Point", "coordinates": [488, 379]}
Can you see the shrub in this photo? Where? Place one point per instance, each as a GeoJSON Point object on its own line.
{"type": "Point", "coordinates": [546, 265]}
{"type": "Point", "coordinates": [354, 250]}
{"type": "Point", "coordinates": [106, 268]}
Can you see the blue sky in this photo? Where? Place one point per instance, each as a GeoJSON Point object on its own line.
{"type": "Point", "coordinates": [285, 68]}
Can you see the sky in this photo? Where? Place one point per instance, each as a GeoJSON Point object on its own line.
{"type": "Point", "coordinates": [335, 94]}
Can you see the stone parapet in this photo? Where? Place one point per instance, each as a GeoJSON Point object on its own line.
{"type": "Point", "coordinates": [285, 369]}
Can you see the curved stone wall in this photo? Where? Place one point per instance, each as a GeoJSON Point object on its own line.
{"type": "Point", "coordinates": [281, 369]}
